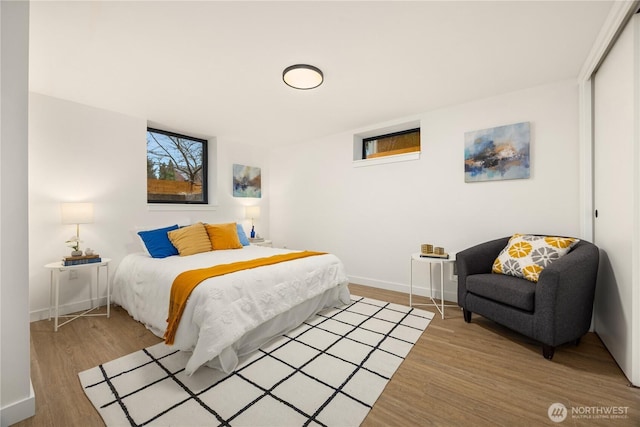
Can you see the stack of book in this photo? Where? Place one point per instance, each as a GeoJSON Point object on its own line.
{"type": "Point", "coordinates": [83, 259]}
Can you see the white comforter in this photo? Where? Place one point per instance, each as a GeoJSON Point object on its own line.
{"type": "Point", "coordinates": [221, 310]}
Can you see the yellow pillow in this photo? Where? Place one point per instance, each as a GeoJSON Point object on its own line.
{"type": "Point", "coordinates": [190, 240]}
{"type": "Point", "coordinates": [526, 256]}
{"type": "Point", "coordinates": [224, 236]}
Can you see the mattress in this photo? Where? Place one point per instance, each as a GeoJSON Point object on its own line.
{"type": "Point", "coordinates": [229, 316]}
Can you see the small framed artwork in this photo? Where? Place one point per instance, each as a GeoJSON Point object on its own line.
{"type": "Point", "coordinates": [497, 153]}
{"type": "Point", "coordinates": [247, 181]}
{"type": "Point", "coordinates": [176, 168]}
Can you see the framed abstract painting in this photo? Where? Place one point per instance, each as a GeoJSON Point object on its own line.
{"type": "Point", "coordinates": [497, 153]}
{"type": "Point", "coordinates": [247, 181]}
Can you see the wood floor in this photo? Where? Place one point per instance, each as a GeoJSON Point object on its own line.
{"type": "Point", "coordinates": [457, 374]}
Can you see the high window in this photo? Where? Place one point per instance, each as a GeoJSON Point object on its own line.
{"type": "Point", "coordinates": [403, 142]}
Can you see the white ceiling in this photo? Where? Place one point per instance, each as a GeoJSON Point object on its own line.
{"type": "Point", "coordinates": [212, 68]}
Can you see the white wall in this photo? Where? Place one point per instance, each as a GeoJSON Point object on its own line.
{"type": "Point", "coordinates": [374, 217]}
{"type": "Point", "coordinates": [82, 153]}
{"type": "Point", "coordinates": [17, 400]}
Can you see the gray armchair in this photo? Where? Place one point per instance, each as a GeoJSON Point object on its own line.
{"type": "Point", "coordinates": [554, 311]}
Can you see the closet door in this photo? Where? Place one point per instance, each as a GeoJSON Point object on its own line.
{"type": "Point", "coordinates": [615, 200]}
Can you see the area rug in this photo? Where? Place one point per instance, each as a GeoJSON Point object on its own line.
{"type": "Point", "coordinates": [327, 372]}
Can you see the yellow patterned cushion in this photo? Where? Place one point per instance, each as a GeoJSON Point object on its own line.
{"type": "Point", "coordinates": [190, 240]}
{"type": "Point", "coordinates": [224, 236]}
{"type": "Point", "coordinates": [527, 255]}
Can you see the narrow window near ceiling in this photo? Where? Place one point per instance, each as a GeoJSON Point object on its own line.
{"type": "Point", "coordinates": [391, 144]}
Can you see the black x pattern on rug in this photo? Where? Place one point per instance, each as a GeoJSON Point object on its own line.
{"type": "Point", "coordinates": [328, 371]}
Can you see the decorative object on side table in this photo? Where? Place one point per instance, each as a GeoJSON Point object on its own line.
{"type": "Point", "coordinates": [253, 213]}
{"type": "Point", "coordinates": [82, 259]}
{"type": "Point", "coordinates": [76, 213]}
{"type": "Point", "coordinates": [428, 251]}
{"type": "Point", "coordinates": [74, 244]}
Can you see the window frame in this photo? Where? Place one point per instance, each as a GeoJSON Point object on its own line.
{"type": "Point", "coordinates": [389, 135]}
{"type": "Point", "coordinates": [204, 169]}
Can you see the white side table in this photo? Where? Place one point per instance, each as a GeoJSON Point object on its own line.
{"type": "Point", "coordinates": [265, 242]}
{"type": "Point", "coordinates": [54, 289]}
{"type": "Point", "coordinates": [431, 261]}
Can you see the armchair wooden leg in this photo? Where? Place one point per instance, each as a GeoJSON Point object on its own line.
{"type": "Point", "coordinates": [547, 351]}
{"type": "Point", "coordinates": [467, 315]}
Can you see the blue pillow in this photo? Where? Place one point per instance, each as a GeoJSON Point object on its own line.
{"type": "Point", "coordinates": [242, 236]}
{"type": "Point", "coordinates": [157, 242]}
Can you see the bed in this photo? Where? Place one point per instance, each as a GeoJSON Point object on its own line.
{"type": "Point", "coordinates": [229, 316]}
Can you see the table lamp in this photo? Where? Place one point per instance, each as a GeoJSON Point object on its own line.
{"type": "Point", "coordinates": [76, 213]}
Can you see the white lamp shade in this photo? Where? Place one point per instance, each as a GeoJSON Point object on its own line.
{"type": "Point", "coordinates": [252, 212]}
{"type": "Point", "coordinates": [76, 213]}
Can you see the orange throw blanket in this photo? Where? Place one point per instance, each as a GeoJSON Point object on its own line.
{"type": "Point", "coordinates": [186, 282]}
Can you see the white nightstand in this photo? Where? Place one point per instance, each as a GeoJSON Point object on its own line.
{"type": "Point", "coordinates": [54, 289]}
{"type": "Point", "coordinates": [261, 242]}
{"type": "Point", "coordinates": [431, 261]}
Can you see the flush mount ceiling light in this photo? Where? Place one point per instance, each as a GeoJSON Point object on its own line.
{"type": "Point", "coordinates": [302, 76]}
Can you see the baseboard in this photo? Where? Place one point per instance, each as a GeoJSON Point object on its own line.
{"type": "Point", "coordinates": [404, 288]}
{"type": "Point", "coordinates": [20, 410]}
{"type": "Point", "coordinates": [74, 307]}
